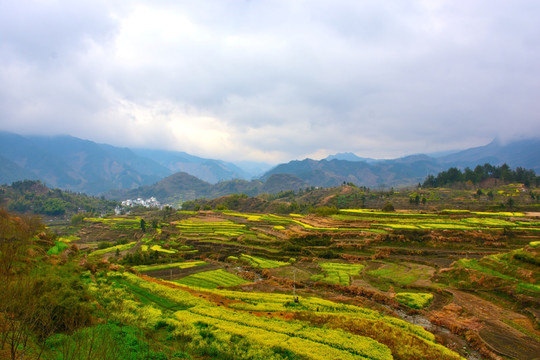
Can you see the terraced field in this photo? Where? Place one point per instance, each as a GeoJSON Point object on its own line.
{"type": "Point", "coordinates": [212, 279]}
{"type": "Point", "coordinates": [401, 274]}
{"type": "Point", "coordinates": [338, 273]}
{"type": "Point", "coordinates": [179, 265]}
{"type": "Point", "coordinates": [197, 227]}
{"type": "Point", "coordinates": [414, 264]}
{"type": "Point", "coordinates": [414, 300]}
{"type": "Point", "coordinates": [261, 263]}
{"type": "Point", "coordinates": [268, 333]}
{"type": "Point", "coordinates": [450, 220]}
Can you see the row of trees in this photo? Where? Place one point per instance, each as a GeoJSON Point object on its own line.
{"type": "Point", "coordinates": [482, 172]}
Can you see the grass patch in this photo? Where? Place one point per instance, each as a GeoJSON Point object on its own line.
{"type": "Point", "coordinates": [58, 248]}
{"type": "Point", "coordinates": [475, 265]}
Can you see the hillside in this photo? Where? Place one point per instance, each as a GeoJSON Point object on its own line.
{"type": "Point", "coordinates": [209, 170]}
{"type": "Point", "coordinates": [181, 187]}
{"type": "Point", "coordinates": [484, 197]}
{"type": "Point", "coordinates": [355, 284]}
{"type": "Point", "coordinates": [522, 153]}
{"type": "Point", "coordinates": [33, 197]}
{"type": "Point", "coordinates": [12, 172]}
{"type": "Point", "coordinates": [387, 173]}
{"type": "Point", "coordinates": [175, 188]}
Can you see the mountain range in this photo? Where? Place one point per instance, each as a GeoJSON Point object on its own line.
{"type": "Point", "coordinates": [84, 166]}
{"type": "Point", "coordinates": [80, 165]}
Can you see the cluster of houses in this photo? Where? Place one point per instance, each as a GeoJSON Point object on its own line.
{"type": "Point", "coordinates": [152, 202]}
{"type": "Point", "coordinates": [149, 203]}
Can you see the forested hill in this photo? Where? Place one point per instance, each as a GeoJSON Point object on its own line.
{"type": "Point", "coordinates": [481, 173]}
{"type": "Point", "coordinates": [34, 197]}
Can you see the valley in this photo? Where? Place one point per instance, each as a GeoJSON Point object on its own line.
{"type": "Point", "coordinates": [359, 283]}
{"type": "Point", "coordinates": [262, 180]}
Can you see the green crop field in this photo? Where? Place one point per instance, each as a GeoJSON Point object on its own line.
{"type": "Point", "coordinates": [297, 336]}
{"type": "Point", "coordinates": [179, 265]}
{"type": "Point", "coordinates": [225, 228]}
{"type": "Point", "coordinates": [212, 279]}
{"type": "Point", "coordinates": [401, 274]}
{"type": "Point", "coordinates": [113, 248]}
{"type": "Point", "coordinates": [447, 219]}
{"type": "Point", "coordinates": [338, 273]}
{"type": "Point", "coordinates": [516, 271]}
{"type": "Point", "coordinates": [249, 217]}
{"type": "Point", "coordinates": [160, 249]}
{"type": "Point", "coordinates": [118, 223]}
{"type": "Point", "coordinates": [261, 263]}
{"type": "Point", "coordinates": [414, 300]}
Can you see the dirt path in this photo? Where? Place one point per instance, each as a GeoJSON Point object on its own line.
{"type": "Point", "coordinates": [500, 337]}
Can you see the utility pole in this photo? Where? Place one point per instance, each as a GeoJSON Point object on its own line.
{"type": "Point", "coordinates": [295, 299]}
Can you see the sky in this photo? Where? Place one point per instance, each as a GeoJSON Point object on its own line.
{"type": "Point", "coordinates": [272, 81]}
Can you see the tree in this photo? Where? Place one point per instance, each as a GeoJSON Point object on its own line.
{"type": "Point", "coordinates": [510, 202]}
{"type": "Point", "coordinates": [143, 225]}
{"type": "Point", "coordinates": [77, 219]}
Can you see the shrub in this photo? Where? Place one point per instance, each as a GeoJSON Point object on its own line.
{"type": "Point", "coordinates": [388, 207]}
{"type": "Point", "coordinates": [326, 210]}
{"type": "Point", "coordinates": [104, 245]}
{"type": "Point", "coordinates": [77, 219]}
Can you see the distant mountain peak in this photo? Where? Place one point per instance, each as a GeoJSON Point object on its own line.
{"type": "Point", "coordinates": [348, 156]}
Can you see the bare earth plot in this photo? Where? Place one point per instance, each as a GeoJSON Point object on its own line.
{"type": "Point", "coordinates": [501, 337]}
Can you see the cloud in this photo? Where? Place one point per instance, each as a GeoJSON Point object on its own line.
{"type": "Point", "coordinates": [272, 80]}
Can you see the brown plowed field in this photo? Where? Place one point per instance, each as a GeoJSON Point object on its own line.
{"type": "Point", "coordinates": [500, 337]}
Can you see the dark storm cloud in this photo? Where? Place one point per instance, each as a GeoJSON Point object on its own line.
{"type": "Point", "coordinates": [273, 80]}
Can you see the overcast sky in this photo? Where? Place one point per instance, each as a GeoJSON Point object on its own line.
{"type": "Point", "coordinates": [275, 80]}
